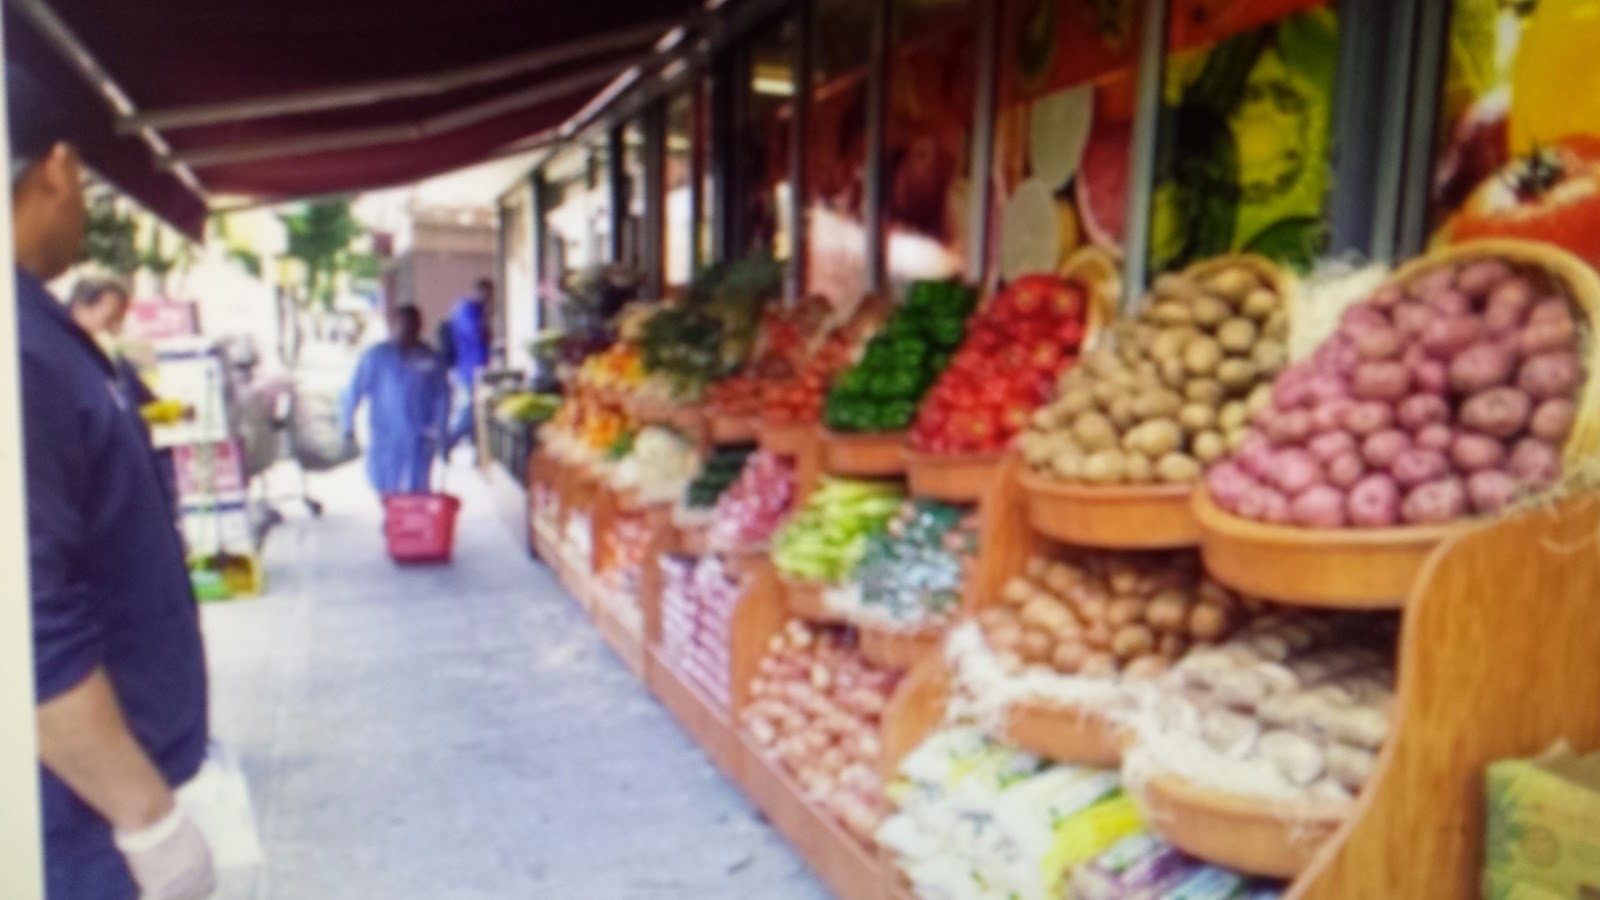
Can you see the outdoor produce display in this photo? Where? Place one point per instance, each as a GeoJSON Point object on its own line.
{"type": "Point", "coordinates": [712, 332]}
{"type": "Point", "coordinates": [620, 366]}
{"type": "Point", "coordinates": [1174, 389]}
{"type": "Point", "coordinates": [1296, 705]}
{"type": "Point", "coordinates": [1015, 348]}
{"type": "Point", "coordinates": [882, 390]}
{"type": "Point", "coordinates": [827, 537]}
{"type": "Point", "coordinates": [913, 572]}
{"type": "Point", "coordinates": [1448, 394]}
{"type": "Point", "coordinates": [816, 708]}
{"type": "Point", "coordinates": [979, 820]}
{"type": "Point", "coordinates": [1100, 614]}
{"type": "Point", "coordinates": [697, 601]}
{"type": "Point", "coordinates": [753, 507]}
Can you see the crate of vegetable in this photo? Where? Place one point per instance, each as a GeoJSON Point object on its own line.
{"type": "Point", "coordinates": [1114, 457]}
{"type": "Point", "coordinates": [1463, 385]}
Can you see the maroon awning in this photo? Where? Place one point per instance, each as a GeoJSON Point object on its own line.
{"type": "Point", "coordinates": [276, 99]}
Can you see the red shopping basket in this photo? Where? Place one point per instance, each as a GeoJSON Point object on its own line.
{"type": "Point", "coordinates": [420, 528]}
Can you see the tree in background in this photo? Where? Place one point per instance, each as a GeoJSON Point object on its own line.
{"type": "Point", "coordinates": [318, 235]}
{"type": "Point", "coordinates": [109, 238]}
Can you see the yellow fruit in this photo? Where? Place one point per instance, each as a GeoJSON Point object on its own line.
{"type": "Point", "coordinates": [1069, 236]}
{"type": "Point", "coordinates": [1555, 85]}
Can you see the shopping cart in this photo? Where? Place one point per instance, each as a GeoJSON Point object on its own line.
{"type": "Point", "coordinates": [421, 527]}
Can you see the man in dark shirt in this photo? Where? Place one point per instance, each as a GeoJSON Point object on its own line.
{"type": "Point", "coordinates": [118, 662]}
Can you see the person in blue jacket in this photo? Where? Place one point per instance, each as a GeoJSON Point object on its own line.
{"type": "Point", "coordinates": [119, 667]}
{"type": "Point", "coordinates": [403, 384]}
{"type": "Point", "coordinates": [469, 336]}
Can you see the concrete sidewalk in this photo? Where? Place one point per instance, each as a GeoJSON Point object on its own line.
{"type": "Point", "coordinates": [461, 732]}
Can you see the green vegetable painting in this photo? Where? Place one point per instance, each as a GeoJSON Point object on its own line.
{"type": "Point", "coordinates": [1243, 159]}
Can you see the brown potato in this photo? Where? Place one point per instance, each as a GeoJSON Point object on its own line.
{"type": "Point", "coordinates": [1169, 342]}
{"type": "Point", "coordinates": [1125, 611]}
{"type": "Point", "coordinates": [1209, 312]}
{"type": "Point", "coordinates": [1145, 667]}
{"type": "Point", "coordinates": [994, 617]}
{"type": "Point", "coordinates": [1104, 467]}
{"type": "Point", "coordinates": [1017, 590]}
{"type": "Point", "coordinates": [1174, 372]}
{"type": "Point", "coordinates": [1232, 282]}
{"type": "Point", "coordinates": [1155, 438]}
{"type": "Point", "coordinates": [1068, 464]}
{"type": "Point", "coordinates": [1236, 373]}
{"type": "Point", "coordinates": [1197, 416]}
{"type": "Point", "coordinates": [1137, 468]}
{"type": "Point", "coordinates": [1260, 304]}
{"type": "Point", "coordinates": [1133, 640]}
{"type": "Point", "coordinates": [1237, 335]}
{"type": "Point", "coordinates": [1204, 390]}
{"type": "Point", "coordinates": [1094, 432]}
{"type": "Point", "coordinates": [1171, 313]}
{"type": "Point", "coordinates": [1177, 468]}
{"type": "Point", "coordinates": [1073, 402]}
{"type": "Point", "coordinates": [1172, 286]}
{"type": "Point", "coordinates": [1208, 622]}
{"type": "Point", "coordinates": [1270, 355]}
{"type": "Point", "coordinates": [1005, 636]}
{"type": "Point", "coordinates": [1068, 657]}
{"type": "Point", "coordinates": [1104, 392]}
{"type": "Point", "coordinates": [1045, 613]}
{"type": "Point", "coordinates": [1208, 447]}
{"type": "Point", "coordinates": [1202, 356]}
{"type": "Point", "coordinates": [1234, 414]}
{"type": "Point", "coordinates": [1172, 645]}
{"type": "Point", "coordinates": [1035, 646]}
{"type": "Point", "coordinates": [1098, 665]}
{"type": "Point", "coordinates": [1259, 399]}
{"type": "Point", "coordinates": [1122, 414]}
{"type": "Point", "coordinates": [1169, 610]}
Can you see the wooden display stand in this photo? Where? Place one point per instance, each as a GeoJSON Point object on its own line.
{"type": "Point", "coordinates": [1497, 656]}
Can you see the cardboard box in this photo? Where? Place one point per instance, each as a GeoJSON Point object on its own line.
{"type": "Point", "coordinates": [1543, 837]}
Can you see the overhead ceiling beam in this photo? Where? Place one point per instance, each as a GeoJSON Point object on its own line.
{"type": "Point", "coordinates": [384, 90]}
{"type": "Point", "coordinates": [350, 139]}
{"type": "Point", "coordinates": [61, 37]}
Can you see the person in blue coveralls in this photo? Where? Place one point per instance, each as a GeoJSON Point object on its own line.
{"type": "Point", "coordinates": [119, 667]}
{"type": "Point", "coordinates": [465, 341]}
{"type": "Point", "coordinates": [403, 384]}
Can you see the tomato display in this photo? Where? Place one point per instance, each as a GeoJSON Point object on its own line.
{"type": "Point", "coordinates": [1014, 349]}
{"type": "Point", "coordinates": [1552, 195]}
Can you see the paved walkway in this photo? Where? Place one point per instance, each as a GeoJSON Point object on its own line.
{"type": "Point", "coordinates": [461, 733]}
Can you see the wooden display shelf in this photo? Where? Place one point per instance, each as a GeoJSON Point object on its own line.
{"type": "Point", "coordinates": [850, 869]}
{"type": "Point", "coordinates": [914, 712]}
{"type": "Point", "coordinates": [1116, 517]}
{"type": "Point", "coordinates": [897, 649]}
{"type": "Point", "coordinates": [807, 600]}
{"type": "Point", "coordinates": [709, 726]}
{"type": "Point", "coordinates": [1063, 734]}
{"type": "Point", "coordinates": [628, 646]}
{"type": "Point", "coordinates": [1497, 658]}
{"type": "Point", "coordinates": [729, 430]}
{"type": "Point", "coordinates": [954, 479]}
{"type": "Point", "coordinates": [801, 443]}
{"type": "Point", "coordinates": [865, 455]}
{"type": "Point", "coordinates": [1352, 568]}
{"type": "Point", "coordinates": [1252, 835]}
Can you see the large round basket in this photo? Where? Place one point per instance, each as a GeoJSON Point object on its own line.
{"type": "Point", "coordinates": [1253, 835]}
{"type": "Point", "coordinates": [788, 439]}
{"type": "Point", "coordinates": [961, 478]}
{"type": "Point", "coordinates": [898, 649]}
{"type": "Point", "coordinates": [1068, 734]}
{"type": "Point", "coordinates": [729, 430]}
{"type": "Point", "coordinates": [1125, 517]}
{"type": "Point", "coordinates": [866, 455]}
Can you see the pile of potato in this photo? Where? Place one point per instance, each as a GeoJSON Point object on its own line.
{"type": "Point", "coordinates": [1445, 397]}
{"type": "Point", "coordinates": [1170, 392]}
{"type": "Point", "coordinates": [1309, 694]}
{"type": "Point", "coordinates": [1101, 613]}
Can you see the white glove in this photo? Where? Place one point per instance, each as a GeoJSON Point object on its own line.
{"type": "Point", "coordinates": [170, 860]}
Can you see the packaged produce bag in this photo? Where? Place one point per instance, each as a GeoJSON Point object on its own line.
{"type": "Point", "coordinates": [1544, 827]}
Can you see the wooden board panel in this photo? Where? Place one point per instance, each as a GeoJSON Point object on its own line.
{"type": "Point", "coordinates": [1497, 660]}
{"type": "Point", "coordinates": [914, 712]}
{"type": "Point", "coordinates": [628, 646]}
{"type": "Point", "coordinates": [708, 726]}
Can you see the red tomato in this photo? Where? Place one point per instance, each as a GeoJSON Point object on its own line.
{"type": "Point", "coordinates": [1046, 355]}
{"type": "Point", "coordinates": [1070, 334]}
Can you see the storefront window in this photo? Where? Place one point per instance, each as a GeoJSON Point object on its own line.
{"type": "Point", "coordinates": [578, 223]}
{"type": "Point", "coordinates": [764, 144]}
{"type": "Point", "coordinates": [1243, 158]}
{"type": "Point", "coordinates": [836, 150]}
{"type": "Point", "coordinates": [677, 231]}
{"type": "Point", "coordinates": [928, 138]}
{"type": "Point", "coordinates": [1519, 122]}
{"type": "Point", "coordinates": [1067, 87]}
